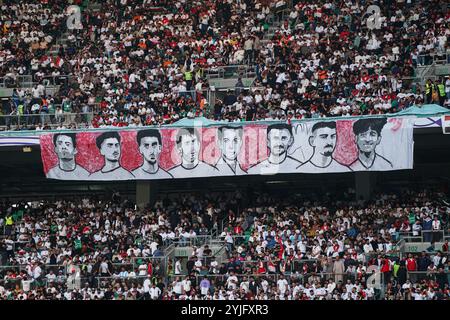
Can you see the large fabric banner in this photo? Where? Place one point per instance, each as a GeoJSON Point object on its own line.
{"type": "Point", "coordinates": [323, 146]}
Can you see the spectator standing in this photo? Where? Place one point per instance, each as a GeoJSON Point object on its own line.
{"type": "Point", "coordinates": [436, 228]}
{"type": "Point", "coordinates": [178, 268]}
{"type": "Point", "coordinates": [205, 284]}
{"type": "Point", "coordinates": [239, 87]}
{"type": "Point", "coordinates": [402, 273]}
{"type": "Point", "coordinates": [338, 270]}
{"type": "Point", "coordinates": [248, 50]}
{"type": "Point", "coordinates": [429, 91]}
{"type": "Point", "coordinates": [155, 292]}
{"type": "Point", "coordinates": [441, 92]}
{"type": "Point", "coordinates": [445, 246]}
{"type": "Point", "coordinates": [447, 87]}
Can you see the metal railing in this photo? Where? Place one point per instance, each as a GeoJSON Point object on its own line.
{"type": "Point", "coordinates": [53, 120]}
{"type": "Point", "coordinates": [424, 236]}
{"type": "Point", "coordinates": [16, 244]}
{"type": "Point", "coordinates": [55, 80]}
{"type": "Point", "coordinates": [17, 81]}
{"type": "Point", "coordinates": [28, 81]}
{"type": "Point", "coordinates": [196, 241]}
{"type": "Point", "coordinates": [158, 267]}
{"type": "Point", "coordinates": [231, 71]}
{"type": "Point", "coordinates": [293, 266]}
{"type": "Point", "coordinates": [71, 282]}
{"type": "Point", "coordinates": [300, 278]}
{"type": "Point", "coordinates": [418, 276]}
{"type": "Point", "coordinates": [433, 58]}
{"type": "Point", "coordinates": [188, 94]}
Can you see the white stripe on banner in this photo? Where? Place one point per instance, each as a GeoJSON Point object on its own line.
{"type": "Point", "coordinates": [428, 122]}
{"type": "Point", "coordinates": [19, 141]}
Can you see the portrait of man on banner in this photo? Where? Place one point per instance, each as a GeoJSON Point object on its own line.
{"type": "Point", "coordinates": [229, 140]}
{"type": "Point", "coordinates": [108, 143]}
{"type": "Point", "coordinates": [150, 146]}
{"type": "Point", "coordinates": [279, 139]}
{"type": "Point", "coordinates": [323, 141]}
{"type": "Point", "coordinates": [368, 137]}
{"type": "Point", "coordinates": [66, 148]}
{"type": "Point", "coordinates": [188, 144]}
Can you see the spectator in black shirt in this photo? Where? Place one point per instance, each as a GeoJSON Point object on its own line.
{"type": "Point", "coordinates": [229, 99]}
{"type": "Point", "coordinates": [218, 109]}
{"type": "Point", "coordinates": [190, 264]}
{"type": "Point", "coordinates": [423, 262]}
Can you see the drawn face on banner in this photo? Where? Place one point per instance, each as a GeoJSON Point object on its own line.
{"type": "Point", "coordinates": [189, 147]}
{"type": "Point", "coordinates": [64, 148]}
{"type": "Point", "coordinates": [279, 141]}
{"type": "Point", "coordinates": [110, 149]}
{"type": "Point", "coordinates": [367, 141]}
{"type": "Point", "coordinates": [368, 134]}
{"type": "Point", "coordinates": [323, 141]}
{"type": "Point", "coordinates": [230, 142]}
{"type": "Point", "coordinates": [150, 148]}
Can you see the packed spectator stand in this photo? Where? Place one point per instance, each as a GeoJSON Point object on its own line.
{"type": "Point", "coordinates": [296, 248]}
{"type": "Point", "coordinates": [133, 63]}
{"type": "Point", "coordinates": [140, 62]}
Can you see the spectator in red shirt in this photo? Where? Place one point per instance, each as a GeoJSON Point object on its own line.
{"type": "Point", "coordinates": [445, 246]}
{"type": "Point", "coordinates": [411, 263]}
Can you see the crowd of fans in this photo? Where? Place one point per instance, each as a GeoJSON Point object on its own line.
{"type": "Point", "coordinates": [302, 247]}
{"type": "Point", "coordinates": [145, 62]}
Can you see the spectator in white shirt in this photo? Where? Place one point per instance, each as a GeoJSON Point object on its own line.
{"type": "Point", "coordinates": [186, 284]}
{"type": "Point", "coordinates": [155, 292]}
{"type": "Point", "coordinates": [436, 227]}
{"type": "Point", "coordinates": [178, 267]}
{"type": "Point", "coordinates": [147, 284]}
{"type": "Point", "coordinates": [282, 285]}
{"type": "Point", "coordinates": [416, 228]}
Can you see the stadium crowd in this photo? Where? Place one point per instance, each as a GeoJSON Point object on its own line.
{"type": "Point", "coordinates": [141, 62]}
{"type": "Point", "coordinates": [301, 247]}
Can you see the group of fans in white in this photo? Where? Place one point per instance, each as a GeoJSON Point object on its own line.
{"type": "Point", "coordinates": [293, 248]}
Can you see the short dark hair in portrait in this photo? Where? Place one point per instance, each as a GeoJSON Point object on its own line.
{"type": "Point", "coordinates": [106, 135]}
{"type": "Point", "coordinates": [363, 125]}
{"type": "Point", "coordinates": [324, 124]}
{"type": "Point", "coordinates": [70, 135]}
{"type": "Point", "coordinates": [148, 133]}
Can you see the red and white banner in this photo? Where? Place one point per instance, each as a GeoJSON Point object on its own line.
{"type": "Point", "coordinates": [446, 124]}
{"type": "Point", "coordinates": [368, 144]}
